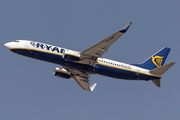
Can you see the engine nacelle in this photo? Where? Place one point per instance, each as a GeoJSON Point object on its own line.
{"type": "Point", "coordinates": [61, 72]}
{"type": "Point", "coordinates": [73, 56]}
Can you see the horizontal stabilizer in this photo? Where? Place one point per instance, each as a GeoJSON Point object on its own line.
{"type": "Point", "coordinates": [156, 82]}
{"type": "Point", "coordinates": [93, 86]}
{"type": "Point", "coordinates": [161, 70]}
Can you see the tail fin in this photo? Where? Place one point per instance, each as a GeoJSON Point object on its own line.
{"type": "Point", "coordinates": [159, 71]}
{"type": "Point", "coordinates": [156, 60]}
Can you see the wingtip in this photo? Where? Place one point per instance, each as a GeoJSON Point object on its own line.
{"type": "Point", "coordinates": [93, 86]}
{"type": "Point", "coordinates": [126, 27]}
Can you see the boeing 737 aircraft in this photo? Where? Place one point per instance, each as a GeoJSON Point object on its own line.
{"type": "Point", "coordinates": [80, 65]}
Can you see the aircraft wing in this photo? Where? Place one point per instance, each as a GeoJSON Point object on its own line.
{"type": "Point", "coordinates": [84, 83]}
{"type": "Point", "coordinates": [91, 54]}
{"type": "Point", "coordinates": [82, 79]}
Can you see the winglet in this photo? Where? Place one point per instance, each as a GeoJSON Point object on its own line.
{"type": "Point", "coordinates": [93, 86]}
{"type": "Point", "coordinates": [125, 28]}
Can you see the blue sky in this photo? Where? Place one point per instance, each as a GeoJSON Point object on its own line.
{"type": "Point", "coordinates": [28, 89]}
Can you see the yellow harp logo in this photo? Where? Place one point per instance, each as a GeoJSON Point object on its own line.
{"type": "Point", "coordinates": [157, 60]}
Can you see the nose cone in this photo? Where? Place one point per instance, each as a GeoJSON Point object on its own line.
{"type": "Point", "coordinates": [7, 45]}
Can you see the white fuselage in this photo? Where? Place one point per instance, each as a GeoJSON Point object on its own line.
{"type": "Point", "coordinates": [103, 66]}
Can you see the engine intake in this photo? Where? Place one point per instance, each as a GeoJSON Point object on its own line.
{"type": "Point", "coordinates": [61, 72]}
{"type": "Point", "coordinates": [69, 55]}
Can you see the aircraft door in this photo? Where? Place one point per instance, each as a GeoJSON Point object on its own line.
{"type": "Point", "coordinates": [137, 72]}
{"type": "Point", "coordinates": [26, 44]}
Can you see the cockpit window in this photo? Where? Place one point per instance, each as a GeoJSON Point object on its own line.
{"type": "Point", "coordinates": [16, 41]}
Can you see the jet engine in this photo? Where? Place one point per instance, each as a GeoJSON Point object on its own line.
{"type": "Point", "coordinates": [73, 56]}
{"type": "Point", "coordinates": [61, 72]}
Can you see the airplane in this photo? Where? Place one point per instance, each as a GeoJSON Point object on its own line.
{"type": "Point", "coordinates": [80, 65]}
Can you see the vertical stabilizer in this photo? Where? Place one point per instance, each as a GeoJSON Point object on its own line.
{"type": "Point", "coordinates": [156, 60]}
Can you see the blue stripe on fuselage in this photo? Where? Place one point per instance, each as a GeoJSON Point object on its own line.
{"type": "Point", "coordinates": [121, 73]}
{"type": "Point", "coordinates": [54, 58]}
{"type": "Point", "coordinates": [98, 68]}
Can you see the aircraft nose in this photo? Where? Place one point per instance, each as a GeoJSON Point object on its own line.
{"type": "Point", "coordinates": [7, 45]}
